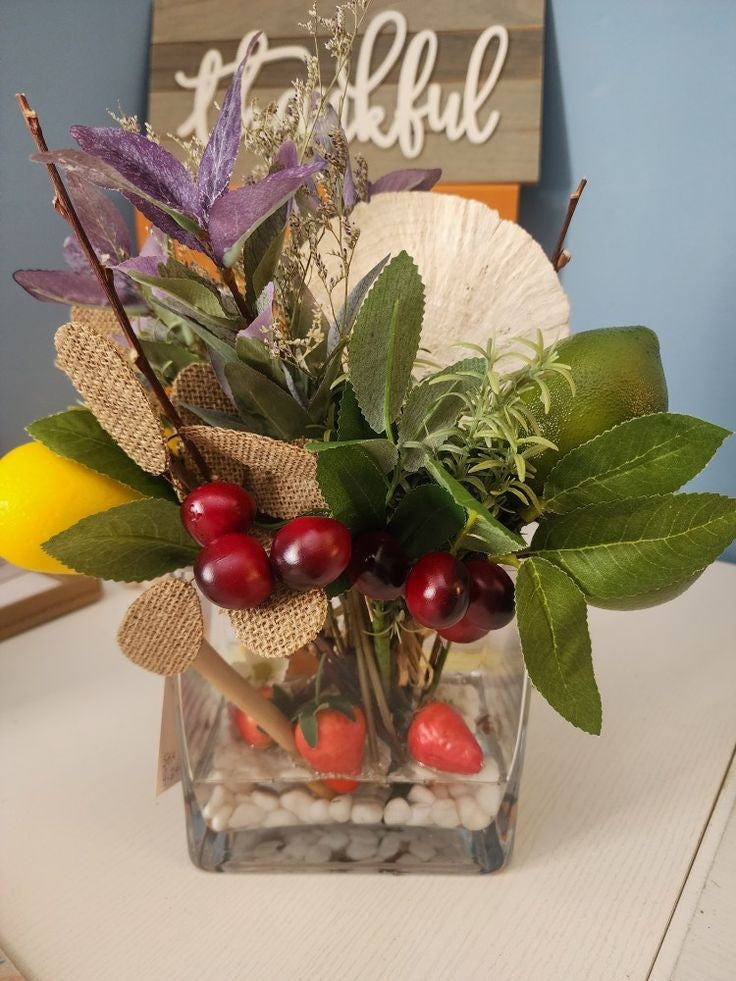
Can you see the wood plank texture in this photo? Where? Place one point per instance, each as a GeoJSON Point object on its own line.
{"type": "Point", "coordinates": [96, 882]}
{"type": "Point", "coordinates": [184, 32]}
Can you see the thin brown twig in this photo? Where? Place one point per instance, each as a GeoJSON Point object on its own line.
{"type": "Point", "coordinates": [63, 205]}
{"type": "Point", "coordinates": [228, 277]}
{"type": "Point", "coordinates": [560, 257]}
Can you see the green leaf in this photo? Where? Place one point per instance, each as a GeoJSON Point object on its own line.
{"type": "Point", "coordinates": [77, 435]}
{"type": "Point", "coordinates": [166, 358]}
{"type": "Point", "coordinates": [194, 298]}
{"type": "Point", "coordinates": [638, 552]}
{"type": "Point", "coordinates": [261, 254]}
{"type": "Point", "coordinates": [264, 404]}
{"type": "Point", "coordinates": [347, 314]}
{"type": "Point", "coordinates": [215, 417]}
{"type": "Point", "coordinates": [648, 455]}
{"type": "Point", "coordinates": [354, 488]}
{"type": "Point", "coordinates": [385, 341]}
{"type": "Point", "coordinates": [426, 519]}
{"type": "Point", "coordinates": [129, 543]}
{"type": "Point", "coordinates": [484, 532]}
{"type": "Point", "coordinates": [308, 724]}
{"type": "Point", "coordinates": [255, 353]}
{"type": "Point", "coordinates": [351, 421]}
{"type": "Point", "coordinates": [223, 348]}
{"type": "Point", "coordinates": [553, 626]}
{"type": "Point", "coordinates": [434, 404]}
{"type": "Point", "coordinates": [382, 451]}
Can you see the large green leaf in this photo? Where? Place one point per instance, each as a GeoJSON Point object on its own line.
{"type": "Point", "coordinates": [77, 435]}
{"type": "Point", "coordinates": [351, 421]}
{"type": "Point", "coordinates": [382, 451]}
{"type": "Point", "coordinates": [433, 405]}
{"type": "Point", "coordinates": [129, 543]}
{"type": "Point", "coordinates": [426, 519]}
{"type": "Point", "coordinates": [553, 626]}
{"type": "Point", "coordinates": [649, 455]}
{"type": "Point", "coordinates": [264, 405]}
{"type": "Point", "coordinates": [261, 254]}
{"type": "Point", "coordinates": [253, 352]}
{"type": "Point", "coordinates": [385, 341]}
{"type": "Point", "coordinates": [485, 533]}
{"type": "Point", "coordinates": [638, 552]}
{"type": "Point", "coordinates": [354, 487]}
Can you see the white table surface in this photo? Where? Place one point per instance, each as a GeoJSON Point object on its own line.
{"type": "Point", "coordinates": [622, 869]}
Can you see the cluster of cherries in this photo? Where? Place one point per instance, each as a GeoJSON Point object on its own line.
{"type": "Point", "coordinates": [462, 601]}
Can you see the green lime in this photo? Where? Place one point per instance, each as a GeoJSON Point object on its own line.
{"type": "Point", "coordinates": [618, 375]}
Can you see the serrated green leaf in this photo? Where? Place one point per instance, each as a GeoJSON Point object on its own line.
{"type": "Point", "coordinates": [354, 488]}
{"type": "Point", "coordinates": [382, 451]}
{"type": "Point", "coordinates": [77, 435]}
{"type": "Point", "coordinates": [553, 627]}
{"type": "Point", "coordinates": [638, 552]}
{"type": "Point", "coordinates": [347, 314]}
{"type": "Point", "coordinates": [433, 405]}
{"type": "Point", "coordinates": [426, 519]}
{"type": "Point", "coordinates": [485, 533]}
{"type": "Point", "coordinates": [351, 421]}
{"type": "Point", "coordinates": [129, 543]}
{"type": "Point", "coordinates": [648, 455]}
{"type": "Point", "coordinates": [264, 404]}
{"type": "Point", "coordinates": [385, 341]}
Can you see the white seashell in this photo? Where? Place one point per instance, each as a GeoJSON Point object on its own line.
{"type": "Point", "coordinates": [397, 811]}
{"type": "Point", "coordinates": [444, 813]}
{"type": "Point", "coordinates": [483, 276]}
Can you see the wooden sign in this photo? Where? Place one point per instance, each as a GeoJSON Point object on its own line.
{"type": "Point", "coordinates": [435, 83]}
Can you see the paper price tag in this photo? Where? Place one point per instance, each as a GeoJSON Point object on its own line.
{"type": "Point", "coordinates": [169, 769]}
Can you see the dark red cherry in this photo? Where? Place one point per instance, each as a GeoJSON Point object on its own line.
{"type": "Point", "coordinates": [234, 572]}
{"type": "Point", "coordinates": [438, 590]}
{"type": "Point", "coordinates": [378, 566]}
{"type": "Point", "coordinates": [491, 603]}
{"type": "Point", "coordinates": [310, 551]}
{"type": "Point", "coordinates": [216, 509]}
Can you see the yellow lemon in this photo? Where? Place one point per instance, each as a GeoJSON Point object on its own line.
{"type": "Point", "coordinates": [41, 494]}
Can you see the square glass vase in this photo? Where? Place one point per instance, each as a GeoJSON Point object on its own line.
{"type": "Point", "coordinates": [261, 810]}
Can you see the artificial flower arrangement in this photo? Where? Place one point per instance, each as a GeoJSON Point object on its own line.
{"type": "Point", "coordinates": [350, 408]}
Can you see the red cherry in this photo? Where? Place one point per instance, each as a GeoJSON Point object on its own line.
{"type": "Point", "coordinates": [248, 728]}
{"type": "Point", "coordinates": [491, 603]}
{"type": "Point", "coordinates": [216, 509]}
{"type": "Point", "coordinates": [234, 572]}
{"type": "Point", "coordinates": [438, 590]}
{"type": "Point", "coordinates": [378, 566]}
{"type": "Point", "coordinates": [438, 737]}
{"type": "Point", "coordinates": [310, 551]}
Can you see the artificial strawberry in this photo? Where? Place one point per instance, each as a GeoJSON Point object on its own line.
{"type": "Point", "coordinates": [340, 786]}
{"type": "Point", "coordinates": [249, 728]}
{"type": "Point", "coordinates": [331, 736]}
{"type": "Point", "coordinates": [438, 737]}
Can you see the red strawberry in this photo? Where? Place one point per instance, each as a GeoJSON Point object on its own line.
{"type": "Point", "coordinates": [248, 727]}
{"type": "Point", "coordinates": [438, 737]}
{"type": "Point", "coordinates": [341, 786]}
{"type": "Point", "coordinates": [330, 741]}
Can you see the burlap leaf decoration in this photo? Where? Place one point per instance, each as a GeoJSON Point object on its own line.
{"type": "Point", "coordinates": [282, 476]}
{"type": "Point", "coordinates": [281, 625]}
{"type": "Point", "coordinates": [110, 388]}
{"type": "Point", "coordinates": [197, 384]}
{"type": "Point", "coordinates": [100, 319]}
{"type": "Point", "coordinates": [163, 629]}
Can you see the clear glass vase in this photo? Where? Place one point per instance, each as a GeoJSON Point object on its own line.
{"type": "Point", "coordinates": [255, 810]}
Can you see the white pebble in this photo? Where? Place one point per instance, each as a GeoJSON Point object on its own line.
{"type": "Point", "coordinates": [367, 812]}
{"type": "Point", "coordinates": [319, 811]}
{"type": "Point", "coordinates": [266, 799]}
{"type": "Point", "coordinates": [444, 814]}
{"type": "Point", "coordinates": [422, 849]}
{"type": "Point", "coordinates": [265, 849]}
{"type": "Point", "coordinates": [488, 796]}
{"type": "Point", "coordinates": [472, 816]}
{"type": "Point", "coordinates": [220, 820]}
{"type": "Point", "coordinates": [471, 702]}
{"type": "Point", "coordinates": [397, 811]}
{"type": "Point", "coordinates": [318, 854]}
{"type": "Point", "coordinates": [246, 815]}
{"type": "Point", "coordinates": [490, 772]}
{"type": "Point", "coordinates": [389, 846]}
{"type": "Point", "coordinates": [420, 794]}
{"type": "Point", "coordinates": [279, 818]}
{"type": "Point", "coordinates": [340, 808]}
{"type": "Point", "coordinates": [358, 849]}
{"type": "Point", "coordinates": [441, 791]}
{"type": "Point", "coordinates": [458, 790]}
{"type": "Point", "coordinates": [305, 838]}
{"type": "Point", "coordinates": [408, 859]}
{"type": "Point", "coordinates": [219, 797]}
{"type": "Point", "coordinates": [335, 840]}
{"type": "Point", "coordinates": [296, 800]}
{"type": "Point", "coordinates": [420, 814]}
{"type": "Point", "coordinates": [297, 849]}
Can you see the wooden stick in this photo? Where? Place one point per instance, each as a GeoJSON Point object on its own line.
{"type": "Point", "coordinates": [560, 257]}
{"type": "Point", "coordinates": [63, 204]}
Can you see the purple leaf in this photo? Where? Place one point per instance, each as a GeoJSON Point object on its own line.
{"type": "Point", "coordinates": [149, 167]}
{"type": "Point", "coordinates": [264, 319]}
{"type": "Point", "coordinates": [60, 286]}
{"type": "Point", "coordinates": [101, 220]}
{"type": "Point", "coordinates": [73, 255]}
{"type": "Point", "coordinates": [166, 224]}
{"type": "Point", "coordinates": [234, 216]}
{"type": "Point", "coordinates": [148, 264]}
{"type": "Point", "coordinates": [218, 159]}
{"type": "Point", "coordinates": [287, 156]}
{"type": "Point", "coordinates": [410, 179]}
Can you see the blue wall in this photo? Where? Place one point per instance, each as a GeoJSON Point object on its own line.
{"type": "Point", "coordinates": [639, 98]}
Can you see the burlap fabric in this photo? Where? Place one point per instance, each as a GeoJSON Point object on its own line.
{"type": "Point", "coordinates": [163, 628]}
{"type": "Point", "coordinates": [197, 384]}
{"type": "Point", "coordinates": [281, 625]}
{"type": "Point", "coordinates": [110, 388]}
{"type": "Point", "coordinates": [282, 476]}
{"type": "Point", "coordinates": [100, 319]}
